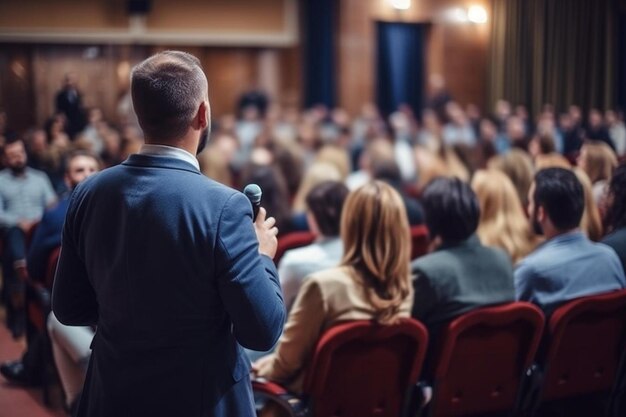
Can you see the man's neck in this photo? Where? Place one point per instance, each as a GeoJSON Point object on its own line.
{"type": "Point", "coordinates": [184, 145]}
{"type": "Point", "coordinates": [556, 233]}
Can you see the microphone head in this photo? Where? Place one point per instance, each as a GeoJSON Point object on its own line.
{"type": "Point", "coordinates": [253, 192]}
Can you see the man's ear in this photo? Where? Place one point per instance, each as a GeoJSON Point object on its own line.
{"type": "Point", "coordinates": [541, 214]}
{"type": "Point", "coordinates": [203, 115]}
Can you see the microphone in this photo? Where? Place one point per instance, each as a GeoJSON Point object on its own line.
{"type": "Point", "coordinates": [254, 193]}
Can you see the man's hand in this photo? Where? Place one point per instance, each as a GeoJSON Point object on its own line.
{"type": "Point", "coordinates": [266, 233]}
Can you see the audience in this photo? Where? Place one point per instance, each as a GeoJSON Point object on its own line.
{"type": "Point", "coordinates": [404, 170]}
{"type": "Point", "coordinates": [78, 166]}
{"type": "Point", "coordinates": [568, 265]}
{"type": "Point", "coordinates": [324, 207]}
{"type": "Point", "coordinates": [372, 282]}
{"type": "Point", "coordinates": [503, 222]}
{"type": "Point", "coordinates": [24, 195]}
{"type": "Point", "coordinates": [616, 215]}
{"type": "Point", "coordinates": [461, 274]}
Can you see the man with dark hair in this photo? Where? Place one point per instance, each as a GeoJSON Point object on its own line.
{"type": "Point", "coordinates": [616, 215]}
{"type": "Point", "coordinates": [24, 195]}
{"type": "Point", "coordinates": [461, 274]}
{"type": "Point", "coordinates": [324, 203]}
{"type": "Point", "coordinates": [169, 265]}
{"type": "Point", "coordinates": [568, 265]}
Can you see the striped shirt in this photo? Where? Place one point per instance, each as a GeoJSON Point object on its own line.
{"type": "Point", "coordinates": [24, 197]}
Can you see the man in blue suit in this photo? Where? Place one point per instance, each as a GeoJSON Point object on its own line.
{"type": "Point", "coordinates": [169, 265]}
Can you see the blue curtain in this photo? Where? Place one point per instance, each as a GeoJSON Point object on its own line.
{"type": "Point", "coordinates": [400, 66]}
{"type": "Point", "coordinates": [319, 18]}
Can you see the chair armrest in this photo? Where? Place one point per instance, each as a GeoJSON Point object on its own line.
{"type": "Point", "coordinates": [293, 404]}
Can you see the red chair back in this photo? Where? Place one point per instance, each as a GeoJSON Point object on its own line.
{"type": "Point", "coordinates": [484, 355]}
{"type": "Point", "coordinates": [365, 369]}
{"type": "Point", "coordinates": [419, 241]}
{"type": "Point", "coordinates": [585, 339]}
{"type": "Point", "coordinates": [291, 241]}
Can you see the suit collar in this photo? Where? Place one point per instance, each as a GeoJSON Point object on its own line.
{"type": "Point", "coordinates": [152, 161]}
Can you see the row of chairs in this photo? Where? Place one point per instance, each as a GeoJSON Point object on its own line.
{"type": "Point", "coordinates": [492, 360]}
{"type": "Point", "coordinates": [419, 242]}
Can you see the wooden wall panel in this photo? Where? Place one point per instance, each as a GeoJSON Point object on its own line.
{"type": "Point", "coordinates": [457, 51]}
{"type": "Point", "coordinates": [103, 76]}
{"type": "Point", "coordinates": [16, 88]}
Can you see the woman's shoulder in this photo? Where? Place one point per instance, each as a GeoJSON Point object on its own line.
{"type": "Point", "coordinates": [338, 274]}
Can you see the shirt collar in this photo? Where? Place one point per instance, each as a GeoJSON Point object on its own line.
{"type": "Point", "coordinates": [575, 234]}
{"type": "Point", "coordinates": [473, 240]}
{"type": "Point", "coordinates": [171, 151]}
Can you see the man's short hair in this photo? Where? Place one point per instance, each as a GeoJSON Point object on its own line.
{"type": "Point", "coordinates": [325, 201]}
{"type": "Point", "coordinates": [561, 195]}
{"type": "Point", "coordinates": [167, 89]}
{"type": "Point", "coordinates": [451, 209]}
{"type": "Point", "coordinates": [10, 139]}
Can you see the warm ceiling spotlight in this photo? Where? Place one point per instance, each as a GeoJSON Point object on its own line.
{"type": "Point", "coordinates": [400, 4]}
{"type": "Point", "coordinates": [477, 14]}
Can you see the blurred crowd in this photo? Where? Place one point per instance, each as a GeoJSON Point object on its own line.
{"type": "Point", "coordinates": [287, 151]}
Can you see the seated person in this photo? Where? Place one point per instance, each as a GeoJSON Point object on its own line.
{"type": "Point", "coordinates": [461, 274]}
{"type": "Point", "coordinates": [24, 195]}
{"type": "Point", "coordinates": [616, 215]}
{"type": "Point", "coordinates": [568, 265]}
{"type": "Point", "coordinates": [369, 284]}
{"type": "Point", "coordinates": [389, 172]}
{"type": "Point", "coordinates": [324, 203]}
{"type": "Point", "coordinates": [78, 166]}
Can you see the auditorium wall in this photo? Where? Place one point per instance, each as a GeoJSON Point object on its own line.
{"type": "Point", "coordinates": [242, 43]}
{"type": "Point", "coordinates": [458, 51]}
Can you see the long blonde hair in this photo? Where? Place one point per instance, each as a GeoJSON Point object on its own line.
{"type": "Point", "coordinates": [502, 220]}
{"type": "Point", "coordinates": [317, 173]}
{"type": "Point", "coordinates": [518, 166]}
{"type": "Point", "coordinates": [598, 160]}
{"type": "Point", "coordinates": [377, 246]}
{"type": "Point", "coordinates": [591, 223]}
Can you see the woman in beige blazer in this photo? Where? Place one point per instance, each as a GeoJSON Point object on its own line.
{"type": "Point", "coordinates": [372, 282]}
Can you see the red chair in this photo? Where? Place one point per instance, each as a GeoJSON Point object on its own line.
{"type": "Point", "coordinates": [291, 241]}
{"type": "Point", "coordinates": [359, 368]}
{"type": "Point", "coordinates": [483, 357]}
{"type": "Point", "coordinates": [38, 297]}
{"type": "Point", "coordinates": [585, 340]}
{"type": "Point", "coordinates": [419, 241]}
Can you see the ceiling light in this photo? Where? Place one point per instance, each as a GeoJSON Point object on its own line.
{"type": "Point", "coordinates": [400, 4]}
{"type": "Point", "coordinates": [477, 14]}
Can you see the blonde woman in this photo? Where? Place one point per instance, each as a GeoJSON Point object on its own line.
{"type": "Point", "coordinates": [373, 281]}
{"type": "Point", "coordinates": [591, 223]}
{"type": "Point", "coordinates": [317, 173]}
{"type": "Point", "coordinates": [518, 166]}
{"type": "Point", "coordinates": [502, 221]}
{"type": "Point", "coordinates": [598, 161]}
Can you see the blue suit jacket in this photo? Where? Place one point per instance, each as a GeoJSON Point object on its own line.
{"type": "Point", "coordinates": [47, 237]}
{"type": "Point", "coordinates": [165, 261]}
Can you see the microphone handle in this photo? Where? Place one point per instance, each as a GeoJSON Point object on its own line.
{"type": "Point", "coordinates": [255, 210]}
